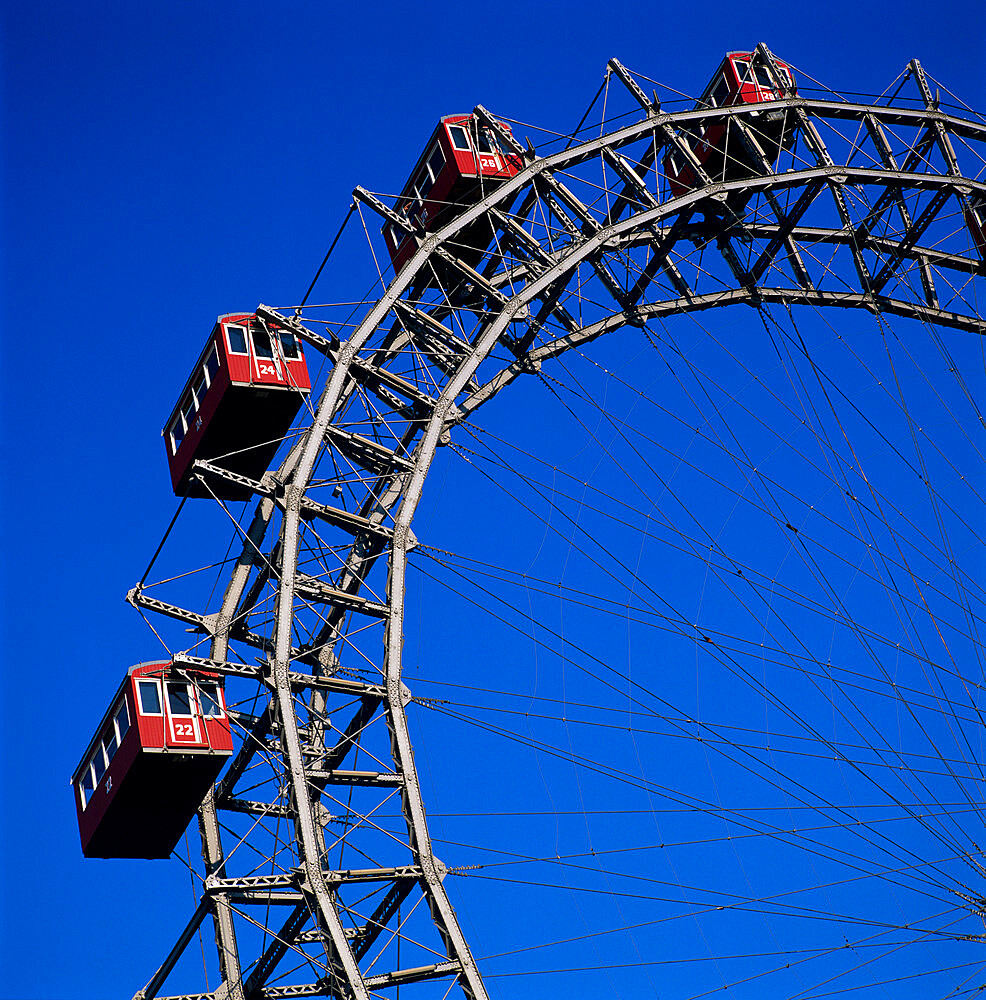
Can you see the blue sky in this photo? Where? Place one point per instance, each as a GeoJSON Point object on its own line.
{"type": "Point", "coordinates": [163, 163]}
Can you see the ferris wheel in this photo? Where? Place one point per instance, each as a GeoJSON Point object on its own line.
{"type": "Point", "coordinates": [741, 748]}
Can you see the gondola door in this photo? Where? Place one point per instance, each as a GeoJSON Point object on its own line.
{"type": "Point", "coordinates": [266, 362]}
{"type": "Point", "coordinates": [183, 727]}
{"type": "Point", "coordinates": [490, 161]}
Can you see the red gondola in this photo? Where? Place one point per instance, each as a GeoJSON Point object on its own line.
{"type": "Point", "coordinates": [743, 78]}
{"type": "Point", "coordinates": [237, 404]}
{"type": "Point", "coordinates": [461, 161]}
{"type": "Point", "coordinates": [974, 209]}
{"type": "Point", "coordinates": [158, 749]}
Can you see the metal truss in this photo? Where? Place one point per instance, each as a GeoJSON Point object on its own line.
{"type": "Point", "coordinates": [320, 876]}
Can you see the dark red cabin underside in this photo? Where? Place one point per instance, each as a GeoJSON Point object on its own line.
{"type": "Point", "coordinates": [153, 805]}
{"type": "Point", "coordinates": [253, 413]}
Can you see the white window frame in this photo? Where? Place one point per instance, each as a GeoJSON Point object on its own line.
{"type": "Point", "coordinates": [229, 343]}
{"type": "Point", "coordinates": [767, 90]}
{"type": "Point", "coordinates": [259, 331]}
{"type": "Point", "coordinates": [465, 130]}
{"type": "Point", "coordinates": [140, 699]}
{"type": "Point", "coordinates": [276, 340]}
{"type": "Point", "coordinates": [487, 135]}
{"type": "Point", "coordinates": [213, 353]}
{"type": "Point", "coordinates": [422, 184]}
{"type": "Point", "coordinates": [98, 753]}
{"type": "Point", "coordinates": [104, 741]}
{"type": "Point", "coordinates": [178, 421]}
{"type": "Point", "coordinates": [192, 703]}
{"type": "Point", "coordinates": [191, 411]}
{"type": "Point", "coordinates": [116, 721]}
{"type": "Point", "coordinates": [437, 148]}
{"type": "Point", "coordinates": [82, 789]}
{"type": "Point", "coordinates": [204, 381]}
{"type": "Point", "coordinates": [220, 699]}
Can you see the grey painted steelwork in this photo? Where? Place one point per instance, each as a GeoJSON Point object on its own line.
{"type": "Point", "coordinates": [386, 425]}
